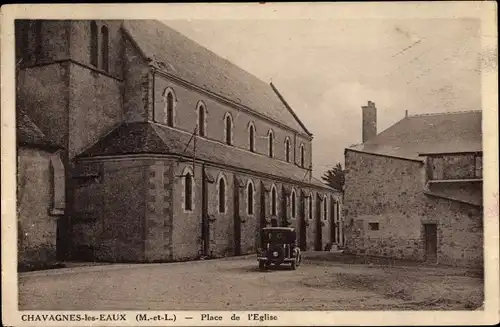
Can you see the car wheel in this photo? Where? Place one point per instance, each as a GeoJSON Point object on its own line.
{"type": "Point", "coordinates": [299, 259]}
{"type": "Point", "coordinates": [262, 265]}
{"type": "Point", "coordinates": [294, 265]}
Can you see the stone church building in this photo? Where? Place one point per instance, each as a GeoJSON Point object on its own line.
{"type": "Point", "coordinates": [169, 152]}
{"type": "Point", "coordinates": [414, 191]}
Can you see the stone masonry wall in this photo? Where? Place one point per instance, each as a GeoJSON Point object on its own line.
{"type": "Point", "coordinates": [159, 224]}
{"type": "Point", "coordinates": [389, 191]}
{"type": "Point", "coordinates": [36, 228]}
{"type": "Point", "coordinates": [108, 221]}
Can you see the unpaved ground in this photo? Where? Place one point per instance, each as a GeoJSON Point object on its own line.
{"type": "Point", "coordinates": [237, 284]}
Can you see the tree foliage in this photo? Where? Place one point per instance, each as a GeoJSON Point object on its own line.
{"type": "Point", "coordinates": [335, 177]}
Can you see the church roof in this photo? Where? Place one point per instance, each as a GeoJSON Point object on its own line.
{"type": "Point", "coordinates": [28, 134]}
{"type": "Point", "coordinates": [180, 56]}
{"type": "Point", "coordinates": [152, 138]}
{"type": "Point", "coordinates": [448, 132]}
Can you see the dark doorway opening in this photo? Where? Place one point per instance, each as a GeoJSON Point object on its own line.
{"type": "Point", "coordinates": [319, 240]}
{"type": "Point", "coordinates": [430, 242]}
{"type": "Point", "coordinates": [332, 220]}
{"type": "Point", "coordinates": [302, 224]}
{"type": "Point", "coordinates": [237, 219]}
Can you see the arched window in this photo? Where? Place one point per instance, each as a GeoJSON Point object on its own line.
{"type": "Point", "coordinates": [271, 143]}
{"type": "Point", "coordinates": [93, 44]}
{"type": "Point", "coordinates": [292, 203]}
{"type": "Point", "coordinates": [105, 48]}
{"type": "Point", "coordinates": [250, 205]}
{"type": "Point", "coordinates": [302, 155]}
{"type": "Point", "coordinates": [325, 208]}
{"type": "Point", "coordinates": [188, 192]}
{"type": "Point", "coordinates": [251, 136]}
{"type": "Point", "coordinates": [169, 107]}
{"type": "Point", "coordinates": [273, 201]}
{"type": "Point", "coordinates": [287, 149]}
{"type": "Point", "coordinates": [222, 195]}
{"type": "Point", "coordinates": [201, 119]}
{"type": "Point", "coordinates": [229, 129]}
{"type": "Point", "coordinates": [310, 200]}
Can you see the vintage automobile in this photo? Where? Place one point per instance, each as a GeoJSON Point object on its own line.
{"type": "Point", "coordinates": [279, 246]}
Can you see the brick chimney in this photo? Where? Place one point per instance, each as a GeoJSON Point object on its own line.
{"type": "Point", "coordinates": [369, 121]}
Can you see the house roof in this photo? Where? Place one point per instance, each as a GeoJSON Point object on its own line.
{"type": "Point", "coordinates": [28, 134]}
{"type": "Point", "coordinates": [152, 138]}
{"type": "Point", "coordinates": [180, 56]}
{"type": "Point", "coordinates": [449, 132]}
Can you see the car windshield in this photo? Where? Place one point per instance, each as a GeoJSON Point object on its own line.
{"type": "Point", "coordinates": [278, 236]}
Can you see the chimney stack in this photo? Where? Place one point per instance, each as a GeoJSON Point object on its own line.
{"type": "Point", "coordinates": [369, 121]}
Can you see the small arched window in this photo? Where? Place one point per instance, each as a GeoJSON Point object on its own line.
{"type": "Point", "coordinates": [287, 149]}
{"type": "Point", "coordinates": [169, 108]}
{"type": "Point", "coordinates": [293, 204]}
{"type": "Point", "coordinates": [93, 44]}
{"type": "Point", "coordinates": [188, 192]}
{"type": "Point", "coordinates": [250, 205]}
{"type": "Point", "coordinates": [105, 48]}
{"type": "Point", "coordinates": [302, 155]}
{"type": "Point", "coordinates": [273, 201]}
{"type": "Point", "coordinates": [229, 129]}
{"type": "Point", "coordinates": [201, 119]}
{"type": "Point", "coordinates": [271, 143]}
{"type": "Point", "coordinates": [251, 136]}
{"type": "Point", "coordinates": [222, 195]}
{"type": "Point", "coordinates": [310, 202]}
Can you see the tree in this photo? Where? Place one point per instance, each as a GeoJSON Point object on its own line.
{"type": "Point", "coordinates": [335, 177]}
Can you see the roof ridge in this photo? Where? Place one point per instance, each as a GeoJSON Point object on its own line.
{"type": "Point", "coordinates": [280, 96]}
{"type": "Point", "coordinates": [447, 113]}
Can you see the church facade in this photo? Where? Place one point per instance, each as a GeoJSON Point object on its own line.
{"type": "Point", "coordinates": [170, 152]}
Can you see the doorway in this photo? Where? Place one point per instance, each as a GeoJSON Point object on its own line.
{"type": "Point", "coordinates": [430, 242]}
{"type": "Point", "coordinates": [237, 219]}
{"type": "Point", "coordinates": [333, 220]}
{"type": "Point", "coordinates": [302, 225]}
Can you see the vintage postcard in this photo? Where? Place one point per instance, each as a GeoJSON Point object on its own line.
{"type": "Point", "coordinates": [259, 164]}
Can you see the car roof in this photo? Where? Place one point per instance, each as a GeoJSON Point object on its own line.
{"type": "Point", "coordinates": [279, 228]}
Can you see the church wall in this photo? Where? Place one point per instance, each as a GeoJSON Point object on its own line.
{"type": "Point", "coordinates": [36, 227]}
{"type": "Point", "coordinates": [186, 118]}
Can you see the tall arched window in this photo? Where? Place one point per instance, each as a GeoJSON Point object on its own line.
{"type": "Point", "coordinates": [188, 192]}
{"type": "Point", "coordinates": [325, 208]}
{"type": "Point", "coordinates": [293, 204]}
{"type": "Point", "coordinates": [250, 204]}
{"type": "Point", "coordinates": [310, 200]}
{"type": "Point", "coordinates": [271, 143]}
{"type": "Point", "coordinates": [251, 135]}
{"type": "Point", "coordinates": [94, 56]}
{"type": "Point", "coordinates": [105, 48]}
{"type": "Point", "coordinates": [169, 108]}
{"type": "Point", "coordinates": [302, 155]}
{"type": "Point", "coordinates": [273, 201]}
{"type": "Point", "coordinates": [222, 195]}
{"type": "Point", "coordinates": [229, 129]}
{"type": "Point", "coordinates": [287, 149]}
{"type": "Point", "coordinates": [201, 119]}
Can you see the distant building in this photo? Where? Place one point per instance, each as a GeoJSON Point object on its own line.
{"type": "Point", "coordinates": [414, 191]}
{"type": "Point", "coordinates": [171, 152]}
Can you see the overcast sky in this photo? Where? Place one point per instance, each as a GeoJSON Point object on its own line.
{"type": "Point", "coordinates": [328, 69]}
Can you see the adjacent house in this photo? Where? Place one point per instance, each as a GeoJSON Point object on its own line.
{"type": "Point", "coordinates": [170, 151]}
{"type": "Point", "coordinates": [414, 191]}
